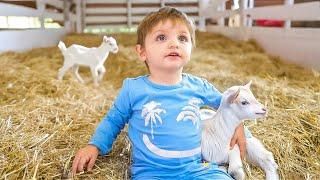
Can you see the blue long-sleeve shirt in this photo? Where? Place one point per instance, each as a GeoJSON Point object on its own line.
{"type": "Point", "coordinates": [163, 123]}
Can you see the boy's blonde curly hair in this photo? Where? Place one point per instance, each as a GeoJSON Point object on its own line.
{"type": "Point", "coordinates": [165, 13]}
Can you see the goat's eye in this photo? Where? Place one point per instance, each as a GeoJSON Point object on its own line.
{"type": "Point", "coordinates": [161, 37]}
{"type": "Point", "coordinates": [245, 103]}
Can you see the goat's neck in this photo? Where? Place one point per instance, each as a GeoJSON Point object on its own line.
{"type": "Point", "coordinates": [103, 51]}
{"type": "Point", "coordinates": [225, 122]}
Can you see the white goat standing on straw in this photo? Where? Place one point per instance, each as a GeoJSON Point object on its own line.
{"type": "Point", "coordinates": [237, 104]}
{"type": "Point", "coordinates": [95, 57]}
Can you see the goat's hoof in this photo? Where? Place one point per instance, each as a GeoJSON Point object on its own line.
{"type": "Point", "coordinates": [271, 163]}
{"type": "Point", "coordinates": [272, 175]}
{"type": "Point", "coordinates": [238, 174]}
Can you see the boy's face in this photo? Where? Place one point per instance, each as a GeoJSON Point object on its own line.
{"type": "Point", "coordinates": [167, 47]}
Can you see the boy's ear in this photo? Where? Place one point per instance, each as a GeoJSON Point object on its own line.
{"type": "Point", "coordinates": [141, 52]}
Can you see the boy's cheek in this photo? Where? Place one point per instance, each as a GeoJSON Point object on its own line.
{"type": "Point", "coordinates": [189, 48]}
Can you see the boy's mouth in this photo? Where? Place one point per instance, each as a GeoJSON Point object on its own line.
{"type": "Point", "coordinates": [174, 54]}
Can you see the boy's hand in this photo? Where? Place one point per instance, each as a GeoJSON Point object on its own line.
{"type": "Point", "coordinates": [240, 139]}
{"type": "Point", "coordinates": [85, 157]}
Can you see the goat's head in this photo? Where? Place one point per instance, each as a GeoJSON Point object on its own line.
{"type": "Point", "coordinates": [111, 43]}
{"type": "Point", "coordinates": [243, 103]}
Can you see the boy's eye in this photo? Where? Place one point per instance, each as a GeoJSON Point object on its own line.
{"type": "Point", "coordinates": [161, 37]}
{"type": "Point", "coordinates": [183, 38]}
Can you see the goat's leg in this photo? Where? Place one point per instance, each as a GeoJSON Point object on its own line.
{"type": "Point", "coordinates": [94, 72]}
{"type": "Point", "coordinates": [235, 164]}
{"type": "Point", "coordinates": [258, 155]}
{"type": "Point", "coordinates": [101, 72]}
{"type": "Point", "coordinates": [75, 69]}
{"type": "Point", "coordinates": [64, 69]}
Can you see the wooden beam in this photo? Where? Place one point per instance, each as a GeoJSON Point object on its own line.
{"type": "Point", "coordinates": [79, 16]}
{"type": "Point", "coordinates": [296, 12]}
{"type": "Point", "coordinates": [55, 3]}
{"type": "Point", "coordinates": [129, 13]}
{"type": "Point", "coordinates": [26, 3]}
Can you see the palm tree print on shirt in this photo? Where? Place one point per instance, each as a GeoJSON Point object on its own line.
{"type": "Point", "coordinates": [151, 113]}
{"type": "Point", "coordinates": [191, 112]}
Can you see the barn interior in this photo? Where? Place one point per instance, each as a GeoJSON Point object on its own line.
{"type": "Point", "coordinates": [44, 121]}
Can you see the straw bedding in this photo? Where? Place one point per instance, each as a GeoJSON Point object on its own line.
{"type": "Point", "coordinates": [43, 121]}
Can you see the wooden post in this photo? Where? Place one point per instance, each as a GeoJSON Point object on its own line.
{"type": "Point", "coordinates": [129, 13]}
{"type": "Point", "coordinates": [242, 33]}
{"type": "Point", "coordinates": [287, 24]}
{"type": "Point", "coordinates": [243, 17]}
{"type": "Point", "coordinates": [83, 14]}
{"type": "Point", "coordinates": [41, 7]}
{"type": "Point", "coordinates": [202, 19]}
{"type": "Point", "coordinates": [79, 16]}
{"type": "Point", "coordinates": [7, 19]}
{"type": "Point", "coordinates": [66, 15]}
{"type": "Point", "coordinates": [221, 7]}
{"type": "Point", "coordinates": [162, 3]}
{"type": "Point", "coordinates": [251, 5]}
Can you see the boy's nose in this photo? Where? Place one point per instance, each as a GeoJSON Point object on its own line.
{"type": "Point", "coordinates": [173, 44]}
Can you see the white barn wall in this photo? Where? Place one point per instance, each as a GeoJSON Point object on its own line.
{"type": "Point", "coordinates": [22, 40]}
{"type": "Point", "coordinates": [301, 46]}
{"type": "Point", "coordinates": [25, 39]}
{"type": "Point", "coordinates": [298, 45]}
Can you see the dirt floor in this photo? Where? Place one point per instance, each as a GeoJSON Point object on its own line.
{"type": "Point", "coordinates": [43, 121]}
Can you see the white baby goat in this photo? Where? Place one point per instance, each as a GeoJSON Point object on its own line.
{"type": "Point", "coordinates": [237, 104]}
{"type": "Point", "coordinates": [95, 57]}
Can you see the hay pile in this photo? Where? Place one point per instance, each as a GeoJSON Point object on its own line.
{"type": "Point", "coordinates": [43, 122]}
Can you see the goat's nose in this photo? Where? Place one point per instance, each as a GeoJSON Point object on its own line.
{"type": "Point", "coordinates": [264, 109]}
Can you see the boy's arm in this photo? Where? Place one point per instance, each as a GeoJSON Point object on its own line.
{"type": "Point", "coordinates": [240, 139]}
{"type": "Point", "coordinates": [113, 122]}
{"type": "Point", "coordinates": [212, 95]}
{"type": "Point", "coordinates": [101, 142]}
{"type": "Point", "coordinates": [106, 132]}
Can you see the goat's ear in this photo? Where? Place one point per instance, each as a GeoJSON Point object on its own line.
{"type": "Point", "coordinates": [105, 38]}
{"type": "Point", "coordinates": [248, 84]}
{"type": "Point", "coordinates": [233, 96]}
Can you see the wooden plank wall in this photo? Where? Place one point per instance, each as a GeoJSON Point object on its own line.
{"type": "Point", "coordinates": [128, 13]}
{"type": "Point", "coordinates": [33, 4]}
{"type": "Point", "coordinates": [27, 3]}
{"type": "Point", "coordinates": [25, 39]}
